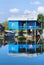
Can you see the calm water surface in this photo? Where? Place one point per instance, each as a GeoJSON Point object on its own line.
{"type": "Point", "coordinates": [6, 59]}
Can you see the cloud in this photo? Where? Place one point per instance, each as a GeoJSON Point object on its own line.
{"type": "Point", "coordinates": [41, 9]}
{"type": "Point", "coordinates": [28, 14]}
{"type": "Point", "coordinates": [32, 14]}
{"type": "Point", "coordinates": [14, 10]}
{"type": "Point", "coordinates": [35, 3]}
{"type": "Point", "coordinates": [27, 11]}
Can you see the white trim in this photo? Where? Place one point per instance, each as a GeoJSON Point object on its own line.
{"type": "Point", "coordinates": [22, 17]}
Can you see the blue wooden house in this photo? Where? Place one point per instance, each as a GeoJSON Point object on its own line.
{"type": "Point", "coordinates": [28, 35]}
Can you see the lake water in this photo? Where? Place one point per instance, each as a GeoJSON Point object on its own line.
{"type": "Point", "coordinates": [6, 59]}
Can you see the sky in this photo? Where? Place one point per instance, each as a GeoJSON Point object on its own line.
{"type": "Point", "coordinates": [9, 8]}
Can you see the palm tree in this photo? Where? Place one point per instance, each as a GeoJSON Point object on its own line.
{"type": "Point", "coordinates": [40, 18]}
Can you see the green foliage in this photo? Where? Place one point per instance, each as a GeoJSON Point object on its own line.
{"type": "Point", "coordinates": [5, 24]}
{"type": "Point", "coordinates": [40, 18]}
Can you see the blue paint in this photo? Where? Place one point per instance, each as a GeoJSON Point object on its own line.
{"type": "Point", "coordinates": [40, 45]}
{"type": "Point", "coordinates": [12, 48]}
{"type": "Point", "coordinates": [22, 46]}
{"type": "Point", "coordinates": [13, 25]}
{"type": "Point", "coordinates": [31, 25]}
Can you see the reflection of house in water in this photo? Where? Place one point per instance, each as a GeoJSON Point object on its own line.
{"type": "Point", "coordinates": [28, 34]}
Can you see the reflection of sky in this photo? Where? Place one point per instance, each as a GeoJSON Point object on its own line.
{"type": "Point", "coordinates": [43, 35]}
{"type": "Point", "coordinates": [16, 34]}
{"type": "Point", "coordinates": [5, 59]}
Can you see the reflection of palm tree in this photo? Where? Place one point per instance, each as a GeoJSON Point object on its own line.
{"type": "Point", "coordinates": [39, 37]}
